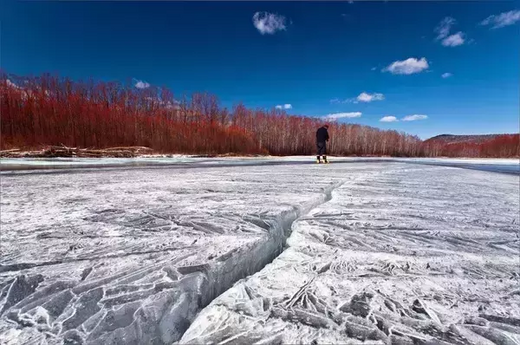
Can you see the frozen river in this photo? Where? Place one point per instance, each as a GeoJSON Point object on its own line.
{"type": "Point", "coordinates": [239, 251]}
{"type": "Point", "coordinates": [509, 166]}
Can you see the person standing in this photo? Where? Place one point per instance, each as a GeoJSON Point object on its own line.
{"type": "Point", "coordinates": [322, 137]}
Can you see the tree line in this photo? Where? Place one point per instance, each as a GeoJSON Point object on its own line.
{"type": "Point", "coordinates": [49, 110]}
{"type": "Point", "coordinates": [499, 146]}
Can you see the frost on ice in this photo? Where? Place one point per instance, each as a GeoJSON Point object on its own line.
{"type": "Point", "coordinates": [132, 255]}
{"type": "Point", "coordinates": [416, 255]}
{"type": "Point", "coordinates": [380, 252]}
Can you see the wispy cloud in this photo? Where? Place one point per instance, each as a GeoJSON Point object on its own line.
{"type": "Point", "coordinates": [268, 23]}
{"type": "Point", "coordinates": [389, 119]}
{"type": "Point", "coordinates": [443, 33]}
{"type": "Point", "coordinates": [343, 101]}
{"type": "Point", "coordinates": [454, 40]}
{"type": "Point", "coordinates": [502, 19]}
{"type": "Point", "coordinates": [414, 117]}
{"type": "Point", "coordinates": [337, 116]}
{"type": "Point", "coordinates": [140, 84]}
{"type": "Point", "coordinates": [373, 68]}
{"type": "Point", "coordinates": [367, 97]}
{"type": "Point", "coordinates": [284, 106]}
{"type": "Point", "coordinates": [444, 27]}
{"type": "Point", "coordinates": [446, 75]}
{"type": "Point", "coordinates": [408, 66]}
{"type": "Point", "coordinates": [363, 97]}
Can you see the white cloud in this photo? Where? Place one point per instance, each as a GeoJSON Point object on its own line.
{"type": "Point", "coordinates": [285, 106]}
{"type": "Point", "coordinates": [503, 19]}
{"type": "Point", "coordinates": [443, 29]}
{"type": "Point", "coordinates": [363, 97]}
{"type": "Point", "coordinates": [140, 84]}
{"type": "Point", "coordinates": [446, 75]}
{"type": "Point", "coordinates": [337, 116]}
{"type": "Point", "coordinates": [268, 23]}
{"type": "Point", "coordinates": [443, 33]}
{"type": "Point", "coordinates": [408, 66]}
{"type": "Point", "coordinates": [366, 97]}
{"type": "Point", "coordinates": [389, 119]}
{"type": "Point", "coordinates": [454, 40]}
{"type": "Point", "coordinates": [373, 68]}
{"type": "Point", "coordinates": [414, 117]}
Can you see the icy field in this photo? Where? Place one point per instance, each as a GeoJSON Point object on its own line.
{"type": "Point", "coordinates": [380, 252]}
{"type": "Point", "coordinates": [508, 165]}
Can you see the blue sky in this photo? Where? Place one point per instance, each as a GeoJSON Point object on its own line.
{"type": "Point", "coordinates": [367, 60]}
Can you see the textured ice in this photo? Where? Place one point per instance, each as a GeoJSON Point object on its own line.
{"type": "Point", "coordinates": [380, 251]}
{"type": "Point", "coordinates": [503, 165]}
{"type": "Point", "coordinates": [131, 256]}
{"type": "Point", "coordinates": [480, 161]}
{"type": "Point", "coordinates": [23, 165]}
{"type": "Point", "coordinates": [10, 165]}
{"type": "Point", "coordinates": [406, 255]}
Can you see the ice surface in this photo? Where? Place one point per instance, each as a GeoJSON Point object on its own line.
{"type": "Point", "coordinates": [132, 256]}
{"type": "Point", "coordinates": [416, 255]}
{"type": "Point", "coordinates": [24, 164]}
{"type": "Point", "coordinates": [480, 161]}
{"type": "Point", "coordinates": [503, 165]}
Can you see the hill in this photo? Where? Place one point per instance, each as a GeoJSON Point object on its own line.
{"type": "Point", "coordinates": [453, 138]}
{"type": "Point", "coordinates": [487, 145]}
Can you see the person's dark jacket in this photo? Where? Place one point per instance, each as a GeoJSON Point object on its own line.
{"type": "Point", "coordinates": [322, 135]}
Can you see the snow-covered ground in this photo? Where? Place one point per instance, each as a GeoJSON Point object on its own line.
{"type": "Point", "coordinates": [380, 251]}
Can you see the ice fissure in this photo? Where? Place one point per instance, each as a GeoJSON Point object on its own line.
{"type": "Point", "coordinates": [209, 281]}
{"type": "Point", "coordinates": [379, 264]}
{"type": "Point", "coordinates": [155, 301]}
{"type": "Point", "coordinates": [401, 253]}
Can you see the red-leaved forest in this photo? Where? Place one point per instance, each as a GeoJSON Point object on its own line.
{"type": "Point", "coordinates": [48, 110]}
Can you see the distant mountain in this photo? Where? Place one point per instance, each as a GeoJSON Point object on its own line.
{"type": "Point", "coordinates": [457, 139]}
